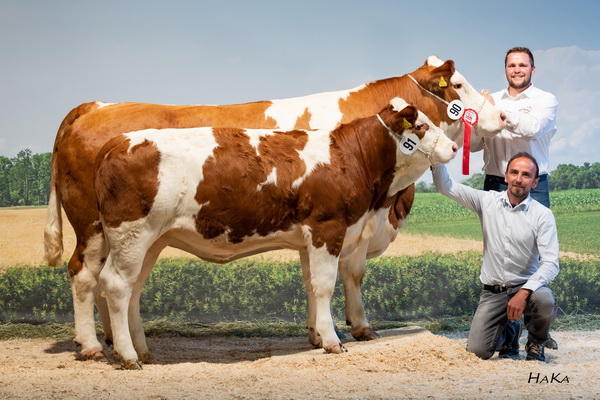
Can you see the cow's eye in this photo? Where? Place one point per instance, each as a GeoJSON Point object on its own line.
{"type": "Point", "coordinates": [458, 86]}
{"type": "Point", "coordinates": [419, 127]}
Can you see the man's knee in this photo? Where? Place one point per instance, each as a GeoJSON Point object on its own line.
{"type": "Point", "coordinates": [544, 302]}
{"type": "Point", "coordinates": [480, 351]}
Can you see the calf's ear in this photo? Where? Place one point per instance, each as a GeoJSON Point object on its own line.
{"type": "Point", "coordinates": [405, 119]}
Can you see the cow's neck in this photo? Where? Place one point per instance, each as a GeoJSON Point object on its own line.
{"type": "Point", "coordinates": [375, 163]}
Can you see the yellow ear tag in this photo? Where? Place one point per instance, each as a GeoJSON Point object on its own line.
{"type": "Point", "coordinates": [407, 125]}
{"type": "Point", "coordinates": [443, 82]}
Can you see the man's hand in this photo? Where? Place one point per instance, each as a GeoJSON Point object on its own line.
{"type": "Point", "coordinates": [516, 305]}
{"type": "Point", "coordinates": [487, 96]}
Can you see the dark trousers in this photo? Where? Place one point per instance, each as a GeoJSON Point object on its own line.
{"type": "Point", "coordinates": [486, 335]}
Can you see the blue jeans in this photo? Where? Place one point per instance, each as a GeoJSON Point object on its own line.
{"type": "Point", "coordinates": [539, 193]}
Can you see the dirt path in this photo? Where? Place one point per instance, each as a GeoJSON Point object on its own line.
{"type": "Point", "coordinates": [404, 363]}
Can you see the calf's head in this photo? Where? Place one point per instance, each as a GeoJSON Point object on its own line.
{"type": "Point", "coordinates": [417, 135]}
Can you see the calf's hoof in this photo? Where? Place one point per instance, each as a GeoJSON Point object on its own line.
{"type": "Point", "coordinates": [131, 365]}
{"type": "Point", "coordinates": [314, 338]}
{"type": "Point", "coordinates": [366, 333]}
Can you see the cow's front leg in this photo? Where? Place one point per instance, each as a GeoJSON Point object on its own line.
{"type": "Point", "coordinates": [323, 268]}
{"type": "Point", "coordinates": [352, 271]}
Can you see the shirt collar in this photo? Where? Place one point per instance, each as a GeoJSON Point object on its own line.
{"type": "Point", "coordinates": [524, 205]}
{"type": "Point", "coordinates": [525, 93]}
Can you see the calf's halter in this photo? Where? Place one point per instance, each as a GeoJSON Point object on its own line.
{"type": "Point", "coordinates": [429, 155]}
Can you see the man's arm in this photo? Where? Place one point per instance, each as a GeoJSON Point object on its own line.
{"type": "Point", "coordinates": [539, 120]}
{"type": "Point", "coordinates": [466, 196]}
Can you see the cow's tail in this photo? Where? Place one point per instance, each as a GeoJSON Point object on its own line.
{"type": "Point", "coordinates": [53, 233]}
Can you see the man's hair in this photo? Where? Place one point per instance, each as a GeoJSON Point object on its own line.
{"type": "Point", "coordinates": [525, 155]}
{"type": "Point", "coordinates": [520, 50]}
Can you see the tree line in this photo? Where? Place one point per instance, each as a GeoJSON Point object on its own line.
{"type": "Point", "coordinates": [25, 179]}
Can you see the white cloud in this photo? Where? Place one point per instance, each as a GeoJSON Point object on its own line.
{"type": "Point", "coordinates": [573, 75]}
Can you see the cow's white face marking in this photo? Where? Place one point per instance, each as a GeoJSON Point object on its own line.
{"type": "Point", "coordinates": [490, 122]}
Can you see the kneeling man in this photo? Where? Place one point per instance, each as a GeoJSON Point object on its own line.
{"type": "Point", "coordinates": [520, 246]}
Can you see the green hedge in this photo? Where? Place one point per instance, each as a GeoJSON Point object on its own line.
{"type": "Point", "coordinates": [433, 285]}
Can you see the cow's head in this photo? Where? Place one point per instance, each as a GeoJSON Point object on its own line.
{"type": "Point", "coordinates": [441, 79]}
{"type": "Point", "coordinates": [417, 136]}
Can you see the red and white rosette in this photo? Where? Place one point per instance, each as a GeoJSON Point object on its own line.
{"type": "Point", "coordinates": [469, 118]}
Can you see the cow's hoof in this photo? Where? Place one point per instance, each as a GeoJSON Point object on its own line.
{"type": "Point", "coordinates": [335, 349]}
{"type": "Point", "coordinates": [366, 333]}
{"type": "Point", "coordinates": [145, 358]}
{"type": "Point", "coordinates": [131, 365]}
{"type": "Point", "coordinates": [93, 355]}
{"type": "Point", "coordinates": [108, 342]}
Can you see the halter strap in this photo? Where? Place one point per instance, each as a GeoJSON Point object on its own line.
{"type": "Point", "coordinates": [422, 88]}
{"type": "Point", "coordinates": [429, 155]}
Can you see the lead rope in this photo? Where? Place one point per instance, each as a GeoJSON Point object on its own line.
{"type": "Point", "coordinates": [444, 101]}
{"type": "Point", "coordinates": [429, 155]}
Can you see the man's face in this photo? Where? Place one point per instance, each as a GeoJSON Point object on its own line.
{"type": "Point", "coordinates": [518, 70]}
{"type": "Point", "coordinates": [520, 177]}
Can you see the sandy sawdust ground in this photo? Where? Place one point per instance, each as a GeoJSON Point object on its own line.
{"type": "Point", "coordinates": [404, 363]}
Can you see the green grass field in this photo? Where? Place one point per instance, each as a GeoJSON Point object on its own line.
{"type": "Point", "coordinates": [577, 214]}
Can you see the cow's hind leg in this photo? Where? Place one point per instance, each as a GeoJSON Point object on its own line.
{"type": "Point", "coordinates": [136, 327]}
{"type": "Point", "coordinates": [352, 272]}
{"type": "Point", "coordinates": [84, 268]}
{"type": "Point", "coordinates": [117, 278]}
{"type": "Point", "coordinates": [311, 319]}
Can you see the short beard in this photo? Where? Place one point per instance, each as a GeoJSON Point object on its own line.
{"type": "Point", "coordinates": [524, 85]}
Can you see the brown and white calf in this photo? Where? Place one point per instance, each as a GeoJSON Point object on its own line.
{"type": "Point", "coordinates": [88, 127]}
{"type": "Point", "coordinates": [226, 193]}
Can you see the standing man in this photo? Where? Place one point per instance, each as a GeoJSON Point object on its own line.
{"type": "Point", "coordinates": [531, 124]}
{"type": "Point", "coordinates": [520, 258]}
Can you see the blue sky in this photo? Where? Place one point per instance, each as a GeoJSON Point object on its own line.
{"type": "Point", "coordinates": [58, 54]}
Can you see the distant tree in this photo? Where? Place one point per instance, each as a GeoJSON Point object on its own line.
{"type": "Point", "coordinates": [424, 187]}
{"type": "Point", "coordinates": [475, 181]}
{"type": "Point", "coordinates": [569, 176]}
{"type": "Point", "coordinates": [25, 179]}
{"type": "Point", "coordinates": [5, 171]}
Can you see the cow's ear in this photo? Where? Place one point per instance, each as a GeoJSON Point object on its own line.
{"type": "Point", "coordinates": [440, 76]}
{"type": "Point", "coordinates": [405, 119]}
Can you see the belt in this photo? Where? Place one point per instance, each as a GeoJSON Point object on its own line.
{"type": "Point", "coordinates": [495, 289]}
{"type": "Point", "coordinates": [500, 179]}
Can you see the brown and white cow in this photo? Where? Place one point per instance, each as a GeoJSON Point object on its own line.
{"type": "Point", "coordinates": [225, 193]}
{"type": "Point", "coordinates": [88, 127]}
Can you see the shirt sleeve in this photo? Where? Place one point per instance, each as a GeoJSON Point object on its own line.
{"type": "Point", "coordinates": [464, 195]}
{"type": "Point", "coordinates": [540, 119]}
{"type": "Point", "coordinates": [547, 242]}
